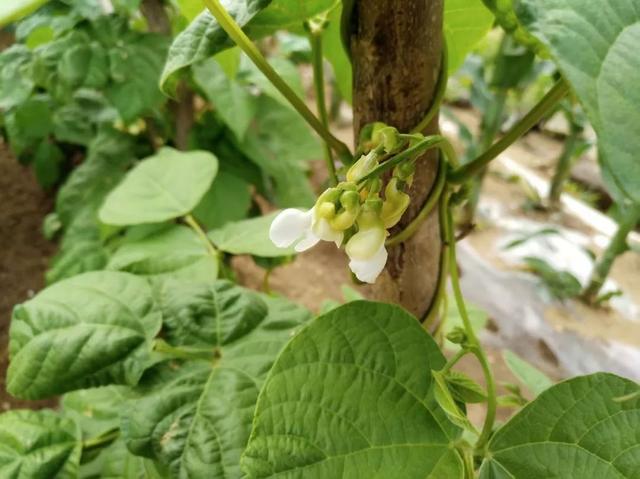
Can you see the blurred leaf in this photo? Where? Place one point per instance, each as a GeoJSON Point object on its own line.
{"type": "Point", "coordinates": [249, 237]}
{"type": "Point", "coordinates": [335, 53]}
{"type": "Point", "coordinates": [561, 284]}
{"type": "Point", "coordinates": [14, 10]}
{"type": "Point", "coordinates": [92, 329]}
{"type": "Point", "coordinates": [47, 161]}
{"type": "Point", "coordinates": [159, 188]}
{"type": "Point", "coordinates": [534, 379]}
{"type": "Point", "coordinates": [529, 236]}
{"type": "Point", "coordinates": [38, 445]}
{"type": "Point", "coordinates": [268, 143]}
{"type": "Point", "coordinates": [233, 102]}
{"type": "Point", "coordinates": [15, 79]}
{"type": "Point", "coordinates": [249, 73]}
{"type": "Point", "coordinates": [466, 22]}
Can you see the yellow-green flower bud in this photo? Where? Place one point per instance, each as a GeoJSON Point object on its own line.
{"type": "Point", "coordinates": [326, 210]}
{"type": "Point", "coordinates": [346, 217]}
{"type": "Point", "coordinates": [395, 204]}
{"type": "Point", "coordinates": [364, 165]}
{"type": "Point", "coordinates": [387, 136]}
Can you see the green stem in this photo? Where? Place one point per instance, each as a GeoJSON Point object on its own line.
{"type": "Point", "coordinates": [616, 247]}
{"type": "Point", "coordinates": [236, 34]}
{"type": "Point", "coordinates": [474, 343]}
{"type": "Point", "coordinates": [462, 352]}
{"type": "Point", "coordinates": [315, 39]}
{"type": "Point", "coordinates": [100, 441]}
{"type": "Point", "coordinates": [563, 169]}
{"type": "Point", "coordinates": [441, 89]}
{"type": "Point", "coordinates": [195, 226]}
{"type": "Point", "coordinates": [162, 347]}
{"type": "Point", "coordinates": [433, 141]}
{"type": "Point", "coordinates": [466, 172]}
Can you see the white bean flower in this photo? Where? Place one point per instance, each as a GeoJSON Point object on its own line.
{"type": "Point", "coordinates": [304, 229]}
{"type": "Point", "coordinates": [366, 249]}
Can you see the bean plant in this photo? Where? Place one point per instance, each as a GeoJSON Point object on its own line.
{"type": "Point", "coordinates": [167, 368]}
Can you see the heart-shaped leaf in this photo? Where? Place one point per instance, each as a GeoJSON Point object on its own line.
{"type": "Point", "coordinates": [583, 428]}
{"type": "Point", "coordinates": [162, 187]}
{"type": "Point", "coordinates": [90, 330]}
{"type": "Point", "coordinates": [38, 445]}
{"type": "Point", "coordinates": [175, 251]}
{"type": "Point", "coordinates": [351, 396]}
{"type": "Point", "coordinates": [595, 45]}
{"type": "Point", "coordinates": [196, 416]}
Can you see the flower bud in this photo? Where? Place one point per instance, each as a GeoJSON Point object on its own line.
{"type": "Point", "coordinates": [457, 335]}
{"type": "Point", "coordinates": [346, 217]}
{"type": "Point", "coordinates": [364, 165]}
{"type": "Point", "coordinates": [395, 204]}
{"type": "Point", "coordinates": [387, 136]}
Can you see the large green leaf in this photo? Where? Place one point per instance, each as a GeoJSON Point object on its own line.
{"type": "Point", "coordinates": [204, 37]}
{"type": "Point", "coordinates": [196, 416]}
{"type": "Point", "coordinates": [14, 10]}
{"type": "Point", "coordinates": [162, 187]}
{"type": "Point", "coordinates": [351, 396]}
{"type": "Point", "coordinates": [172, 252]}
{"type": "Point", "coordinates": [228, 199]}
{"type": "Point", "coordinates": [281, 144]}
{"type": "Point", "coordinates": [89, 330]}
{"type": "Point", "coordinates": [234, 103]}
{"type": "Point", "coordinates": [583, 428]}
{"type": "Point", "coordinates": [96, 410]}
{"type": "Point", "coordinates": [38, 445]}
{"type": "Point", "coordinates": [595, 45]}
{"type": "Point", "coordinates": [15, 82]}
{"type": "Point", "coordinates": [249, 237]}
{"type": "Point", "coordinates": [466, 22]}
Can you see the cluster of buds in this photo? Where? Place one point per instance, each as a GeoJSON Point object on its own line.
{"type": "Point", "coordinates": [353, 214]}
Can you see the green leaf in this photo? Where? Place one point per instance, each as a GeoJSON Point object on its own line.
{"type": "Point", "coordinates": [235, 105]}
{"type": "Point", "coordinates": [204, 37]}
{"type": "Point", "coordinates": [464, 389]}
{"type": "Point", "coordinates": [118, 463]}
{"type": "Point", "coordinates": [287, 70]}
{"type": "Point", "coordinates": [595, 47]}
{"type": "Point", "coordinates": [196, 416]}
{"type": "Point", "coordinates": [175, 251]}
{"type": "Point", "coordinates": [351, 396]}
{"type": "Point", "coordinates": [90, 330]}
{"type": "Point", "coordinates": [445, 400]}
{"type": "Point", "coordinates": [14, 10]}
{"type": "Point", "coordinates": [561, 284]}
{"type": "Point", "coordinates": [136, 64]}
{"type": "Point", "coordinates": [38, 445]}
{"type": "Point", "coordinates": [47, 161]}
{"type": "Point", "coordinates": [108, 157]}
{"type": "Point", "coordinates": [96, 410]}
{"type": "Point", "coordinates": [575, 429]}
{"type": "Point", "coordinates": [534, 379]}
{"type": "Point", "coordinates": [335, 53]}
{"type": "Point", "coordinates": [268, 143]}
{"type": "Point", "coordinates": [466, 22]}
{"type": "Point", "coordinates": [16, 84]}
{"type": "Point", "coordinates": [162, 187]}
{"type": "Point", "coordinates": [249, 237]}
{"type": "Point", "coordinates": [228, 200]}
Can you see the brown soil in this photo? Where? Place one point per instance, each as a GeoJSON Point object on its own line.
{"type": "Point", "coordinates": [24, 253]}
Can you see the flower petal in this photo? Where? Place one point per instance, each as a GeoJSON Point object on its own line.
{"type": "Point", "coordinates": [366, 243]}
{"type": "Point", "coordinates": [289, 226]}
{"type": "Point", "coordinates": [323, 230]}
{"type": "Point", "coordinates": [308, 242]}
{"type": "Point", "coordinates": [368, 271]}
